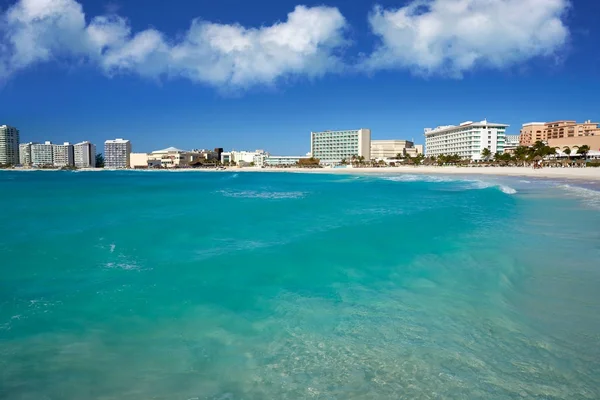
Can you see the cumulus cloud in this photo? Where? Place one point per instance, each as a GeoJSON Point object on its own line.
{"type": "Point", "coordinates": [450, 37]}
{"type": "Point", "coordinates": [231, 56]}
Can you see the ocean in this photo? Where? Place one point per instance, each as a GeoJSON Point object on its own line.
{"type": "Point", "coordinates": [246, 286]}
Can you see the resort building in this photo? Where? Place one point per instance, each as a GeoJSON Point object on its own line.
{"type": "Point", "coordinates": [117, 153]}
{"type": "Point", "coordinates": [415, 150]}
{"type": "Point", "coordinates": [546, 131]}
{"type": "Point", "coordinates": [42, 154]}
{"type": "Point", "coordinates": [85, 155]}
{"type": "Point", "coordinates": [25, 153]}
{"type": "Point", "coordinates": [331, 147]}
{"type": "Point", "coordinates": [511, 143]}
{"type": "Point", "coordinates": [282, 161]}
{"type": "Point", "coordinates": [9, 145]}
{"type": "Point", "coordinates": [466, 140]}
{"type": "Point", "coordinates": [384, 149]}
{"type": "Point", "coordinates": [63, 155]}
{"type": "Point", "coordinates": [256, 157]}
{"type": "Point", "coordinates": [172, 157]}
{"type": "Point", "coordinates": [139, 160]}
{"type": "Point", "coordinates": [575, 142]}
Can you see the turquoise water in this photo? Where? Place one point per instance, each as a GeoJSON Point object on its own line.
{"type": "Point", "coordinates": [230, 286]}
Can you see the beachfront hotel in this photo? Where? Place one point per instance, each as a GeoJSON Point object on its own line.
{"type": "Point", "coordinates": [467, 139]}
{"type": "Point", "coordinates": [383, 149]}
{"type": "Point", "coordinates": [283, 161]}
{"type": "Point", "coordinates": [331, 147]}
{"type": "Point", "coordinates": [63, 155]}
{"type": "Point", "coordinates": [25, 153]}
{"type": "Point", "coordinates": [85, 155]}
{"type": "Point", "coordinates": [9, 145]}
{"type": "Point", "coordinates": [563, 133]}
{"type": "Point", "coordinates": [42, 154]}
{"type": "Point", "coordinates": [117, 153]}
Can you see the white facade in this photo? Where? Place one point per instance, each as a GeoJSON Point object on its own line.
{"type": "Point", "coordinates": [331, 147]}
{"type": "Point", "coordinates": [117, 153]}
{"type": "Point", "coordinates": [42, 154]}
{"type": "Point", "coordinates": [467, 139]}
{"type": "Point", "coordinates": [245, 157]}
{"type": "Point", "coordinates": [25, 153]}
{"type": "Point", "coordinates": [85, 155]}
{"type": "Point", "coordinates": [279, 161]}
{"type": "Point", "coordinates": [63, 155]}
{"type": "Point", "coordinates": [9, 145]}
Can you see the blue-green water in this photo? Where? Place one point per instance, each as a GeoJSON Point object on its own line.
{"type": "Point", "coordinates": [150, 285]}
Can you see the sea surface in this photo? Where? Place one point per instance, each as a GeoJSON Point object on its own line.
{"type": "Point", "coordinates": [252, 286]}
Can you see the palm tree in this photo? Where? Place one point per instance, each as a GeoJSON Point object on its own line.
{"type": "Point", "coordinates": [567, 151]}
{"type": "Point", "coordinates": [583, 150]}
{"type": "Point", "coordinates": [486, 153]}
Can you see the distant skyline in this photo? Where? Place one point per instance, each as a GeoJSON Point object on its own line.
{"type": "Point", "coordinates": [263, 75]}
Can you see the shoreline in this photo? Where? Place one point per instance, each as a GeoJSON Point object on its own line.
{"type": "Point", "coordinates": [559, 173]}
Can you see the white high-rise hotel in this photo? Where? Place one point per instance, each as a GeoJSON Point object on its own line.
{"type": "Point", "coordinates": [331, 147]}
{"type": "Point", "coordinates": [85, 155]}
{"type": "Point", "coordinates": [9, 145]}
{"type": "Point", "coordinates": [117, 153]}
{"type": "Point", "coordinates": [467, 139]}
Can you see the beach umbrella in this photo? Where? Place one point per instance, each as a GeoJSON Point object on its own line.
{"type": "Point", "coordinates": [537, 158]}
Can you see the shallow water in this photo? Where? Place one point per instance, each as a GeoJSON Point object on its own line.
{"type": "Point", "coordinates": [143, 285]}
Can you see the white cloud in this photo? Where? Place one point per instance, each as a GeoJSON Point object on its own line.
{"type": "Point", "coordinates": [226, 56]}
{"type": "Point", "coordinates": [450, 37]}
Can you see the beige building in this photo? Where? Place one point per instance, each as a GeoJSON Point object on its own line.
{"type": "Point", "coordinates": [563, 129]}
{"type": "Point", "coordinates": [381, 149]}
{"type": "Point", "coordinates": [172, 157]}
{"type": "Point", "coordinates": [592, 141]}
{"type": "Point", "coordinates": [138, 160]}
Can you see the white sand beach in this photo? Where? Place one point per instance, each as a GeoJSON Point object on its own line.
{"type": "Point", "coordinates": [589, 174]}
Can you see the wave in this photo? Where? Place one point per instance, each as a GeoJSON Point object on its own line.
{"type": "Point", "coordinates": [253, 194]}
{"type": "Point", "coordinates": [470, 184]}
{"type": "Point", "coordinates": [487, 185]}
{"type": "Point", "coordinates": [589, 197]}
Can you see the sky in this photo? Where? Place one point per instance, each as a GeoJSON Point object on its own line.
{"type": "Point", "coordinates": [263, 74]}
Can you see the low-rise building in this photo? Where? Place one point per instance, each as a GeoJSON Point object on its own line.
{"type": "Point", "coordinates": [63, 155]}
{"type": "Point", "coordinates": [244, 158]}
{"type": "Point", "coordinates": [42, 154]}
{"type": "Point", "coordinates": [511, 143]}
{"type": "Point", "coordinates": [382, 149]}
{"type": "Point", "coordinates": [138, 160]}
{"type": "Point", "coordinates": [283, 161]}
{"type": "Point", "coordinates": [85, 155]}
{"type": "Point", "coordinates": [172, 157]}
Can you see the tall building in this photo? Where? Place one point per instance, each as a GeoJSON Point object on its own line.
{"type": "Point", "coordinates": [381, 149]}
{"type": "Point", "coordinates": [117, 153]}
{"type": "Point", "coordinates": [331, 147]}
{"type": "Point", "coordinates": [42, 154]}
{"type": "Point", "coordinates": [467, 139]}
{"type": "Point", "coordinates": [85, 155]}
{"type": "Point", "coordinates": [563, 129]}
{"type": "Point", "coordinates": [25, 153]}
{"type": "Point", "coordinates": [9, 145]}
{"type": "Point", "coordinates": [63, 155]}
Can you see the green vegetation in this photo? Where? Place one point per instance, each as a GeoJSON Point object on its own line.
{"type": "Point", "coordinates": [99, 160]}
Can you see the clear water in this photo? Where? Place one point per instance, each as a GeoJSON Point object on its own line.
{"type": "Point", "coordinates": [146, 285]}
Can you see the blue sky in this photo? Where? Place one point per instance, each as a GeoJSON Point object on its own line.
{"type": "Point", "coordinates": [263, 74]}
